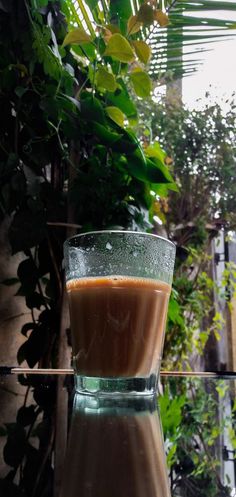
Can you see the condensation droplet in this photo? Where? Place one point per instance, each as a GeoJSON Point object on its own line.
{"type": "Point", "coordinates": [135, 254]}
{"type": "Point", "coordinates": [108, 246]}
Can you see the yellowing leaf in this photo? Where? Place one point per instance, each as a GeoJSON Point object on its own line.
{"type": "Point", "coordinates": [141, 82]}
{"type": "Point", "coordinates": [119, 48]}
{"type": "Point", "coordinates": [142, 50]}
{"type": "Point", "coordinates": [161, 18]}
{"type": "Point", "coordinates": [168, 161]}
{"type": "Point", "coordinates": [145, 14]}
{"type": "Point", "coordinates": [113, 28]}
{"type": "Point", "coordinates": [133, 25]}
{"type": "Point", "coordinates": [77, 36]}
{"type": "Point", "coordinates": [116, 115]}
{"type": "Point", "coordinates": [105, 79]}
{"type": "Point", "coordinates": [155, 150]}
{"type": "Point", "coordinates": [107, 35]}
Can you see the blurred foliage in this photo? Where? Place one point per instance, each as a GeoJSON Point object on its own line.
{"type": "Point", "coordinates": [201, 153]}
{"type": "Point", "coordinates": [202, 146]}
{"type": "Point", "coordinates": [197, 417]}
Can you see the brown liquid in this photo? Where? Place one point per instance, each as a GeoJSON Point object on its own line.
{"type": "Point", "coordinates": [117, 325]}
{"type": "Point", "coordinates": [115, 456]}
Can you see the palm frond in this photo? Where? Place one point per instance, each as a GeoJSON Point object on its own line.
{"type": "Point", "coordinates": [189, 27]}
{"type": "Point", "coordinates": [188, 30]}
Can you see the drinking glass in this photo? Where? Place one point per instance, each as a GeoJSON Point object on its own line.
{"type": "Point", "coordinates": [118, 285]}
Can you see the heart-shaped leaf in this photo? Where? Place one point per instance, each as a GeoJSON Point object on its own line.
{"type": "Point", "coordinates": [105, 79]}
{"type": "Point", "coordinates": [119, 48]}
{"type": "Point", "coordinates": [146, 14]}
{"type": "Point", "coordinates": [161, 18]}
{"type": "Point", "coordinates": [116, 115]}
{"type": "Point", "coordinates": [77, 36]}
{"type": "Point", "coordinates": [155, 150]}
{"type": "Point", "coordinates": [105, 136]}
{"type": "Point", "coordinates": [142, 50]}
{"type": "Point", "coordinates": [133, 25]}
{"type": "Point", "coordinates": [141, 82]}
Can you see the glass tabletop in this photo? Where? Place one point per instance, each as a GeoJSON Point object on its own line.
{"type": "Point", "coordinates": [54, 443]}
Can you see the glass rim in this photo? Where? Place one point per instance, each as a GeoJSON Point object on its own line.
{"type": "Point", "coordinates": [100, 232]}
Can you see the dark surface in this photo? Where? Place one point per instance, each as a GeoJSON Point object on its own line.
{"type": "Point", "coordinates": [115, 446]}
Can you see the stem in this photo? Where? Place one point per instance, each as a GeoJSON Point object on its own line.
{"type": "Point", "coordinates": [65, 225]}
{"type": "Point", "coordinates": [16, 133]}
{"type": "Point", "coordinates": [32, 315]}
{"type": "Point", "coordinates": [3, 148]}
{"type": "Point", "coordinates": [65, 157]}
{"type": "Point", "coordinates": [15, 317]}
{"type": "Point", "coordinates": [54, 263]}
{"type": "Point", "coordinates": [81, 88]}
{"type": "Point", "coordinates": [39, 284]}
{"type": "Point", "coordinates": [44, 460]}
{"type": "Point", "coordinates": [26, 396]}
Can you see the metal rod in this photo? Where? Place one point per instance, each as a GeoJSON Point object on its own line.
{"type": "Point", "coordinates": [6, 370]}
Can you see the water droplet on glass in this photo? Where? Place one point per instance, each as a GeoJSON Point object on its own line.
{"type": "Point", "coordinates": [108, 246]}
{"type": "Point", "coordinates": [135, 254]}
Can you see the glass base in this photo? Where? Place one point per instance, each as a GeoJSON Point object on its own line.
{"type": "Point", "coordinates": [93, 385]}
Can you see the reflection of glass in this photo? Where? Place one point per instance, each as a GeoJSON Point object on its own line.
{"type": "Point", "coordinates": [115, 449]}
{"type": "Point", "coordinates": [118, 285]}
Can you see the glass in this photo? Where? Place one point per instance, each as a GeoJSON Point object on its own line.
{"type": "Point", "coordinates": [118, 286]}
{"type": "Point", "coordinates": [115, 448]}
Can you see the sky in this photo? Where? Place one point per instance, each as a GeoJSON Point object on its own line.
{"type": "Point", "coordinates": [217, 74]}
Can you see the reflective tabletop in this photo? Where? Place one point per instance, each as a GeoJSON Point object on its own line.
{"type": "Point", "coordinates": [55, 443]}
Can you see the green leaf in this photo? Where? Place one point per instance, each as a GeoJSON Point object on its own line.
{"type": "Point", "coordinates": [92, 4]}
{"type": "Point", "coordinates": [157, 172]}
{"type": "Point", "coordinates": [119, 48]}
{"type": "Point", "coordinates": [146, 170]}
{"type": "Point", "coordinates": [171, 412]}
{"type": "Point", "coordinates": [116, 115]}
{"type": "Point", "coordinates": [162, 189]}
{"type": "Point", "coordinates": [120, 9]}
{"type": "Point", "coordinates": [142, 50]}
{"type": "Point", "coordinates": [77, 36]}
{"type": "Point", "coordinates": [134, 148]}
{"type": "Point", "coordinates": [20, 91]}
{"type": "Point", "coordinates": [122, 100]}
{"type": "Point", "coordinates": [142, 83]}
{"type": "Point", "coordinates": [92, 110]}
{"type": "Point", "coordinates": [106, 136]}
{"type": "Point", "coordinates": [174, 312]}
{"type": "Point", "coordinates": [105, 79]}
{"type": "Point", "coordinates": [155, 150]}
{"type": "Point", "coordinates": [85, 50]}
